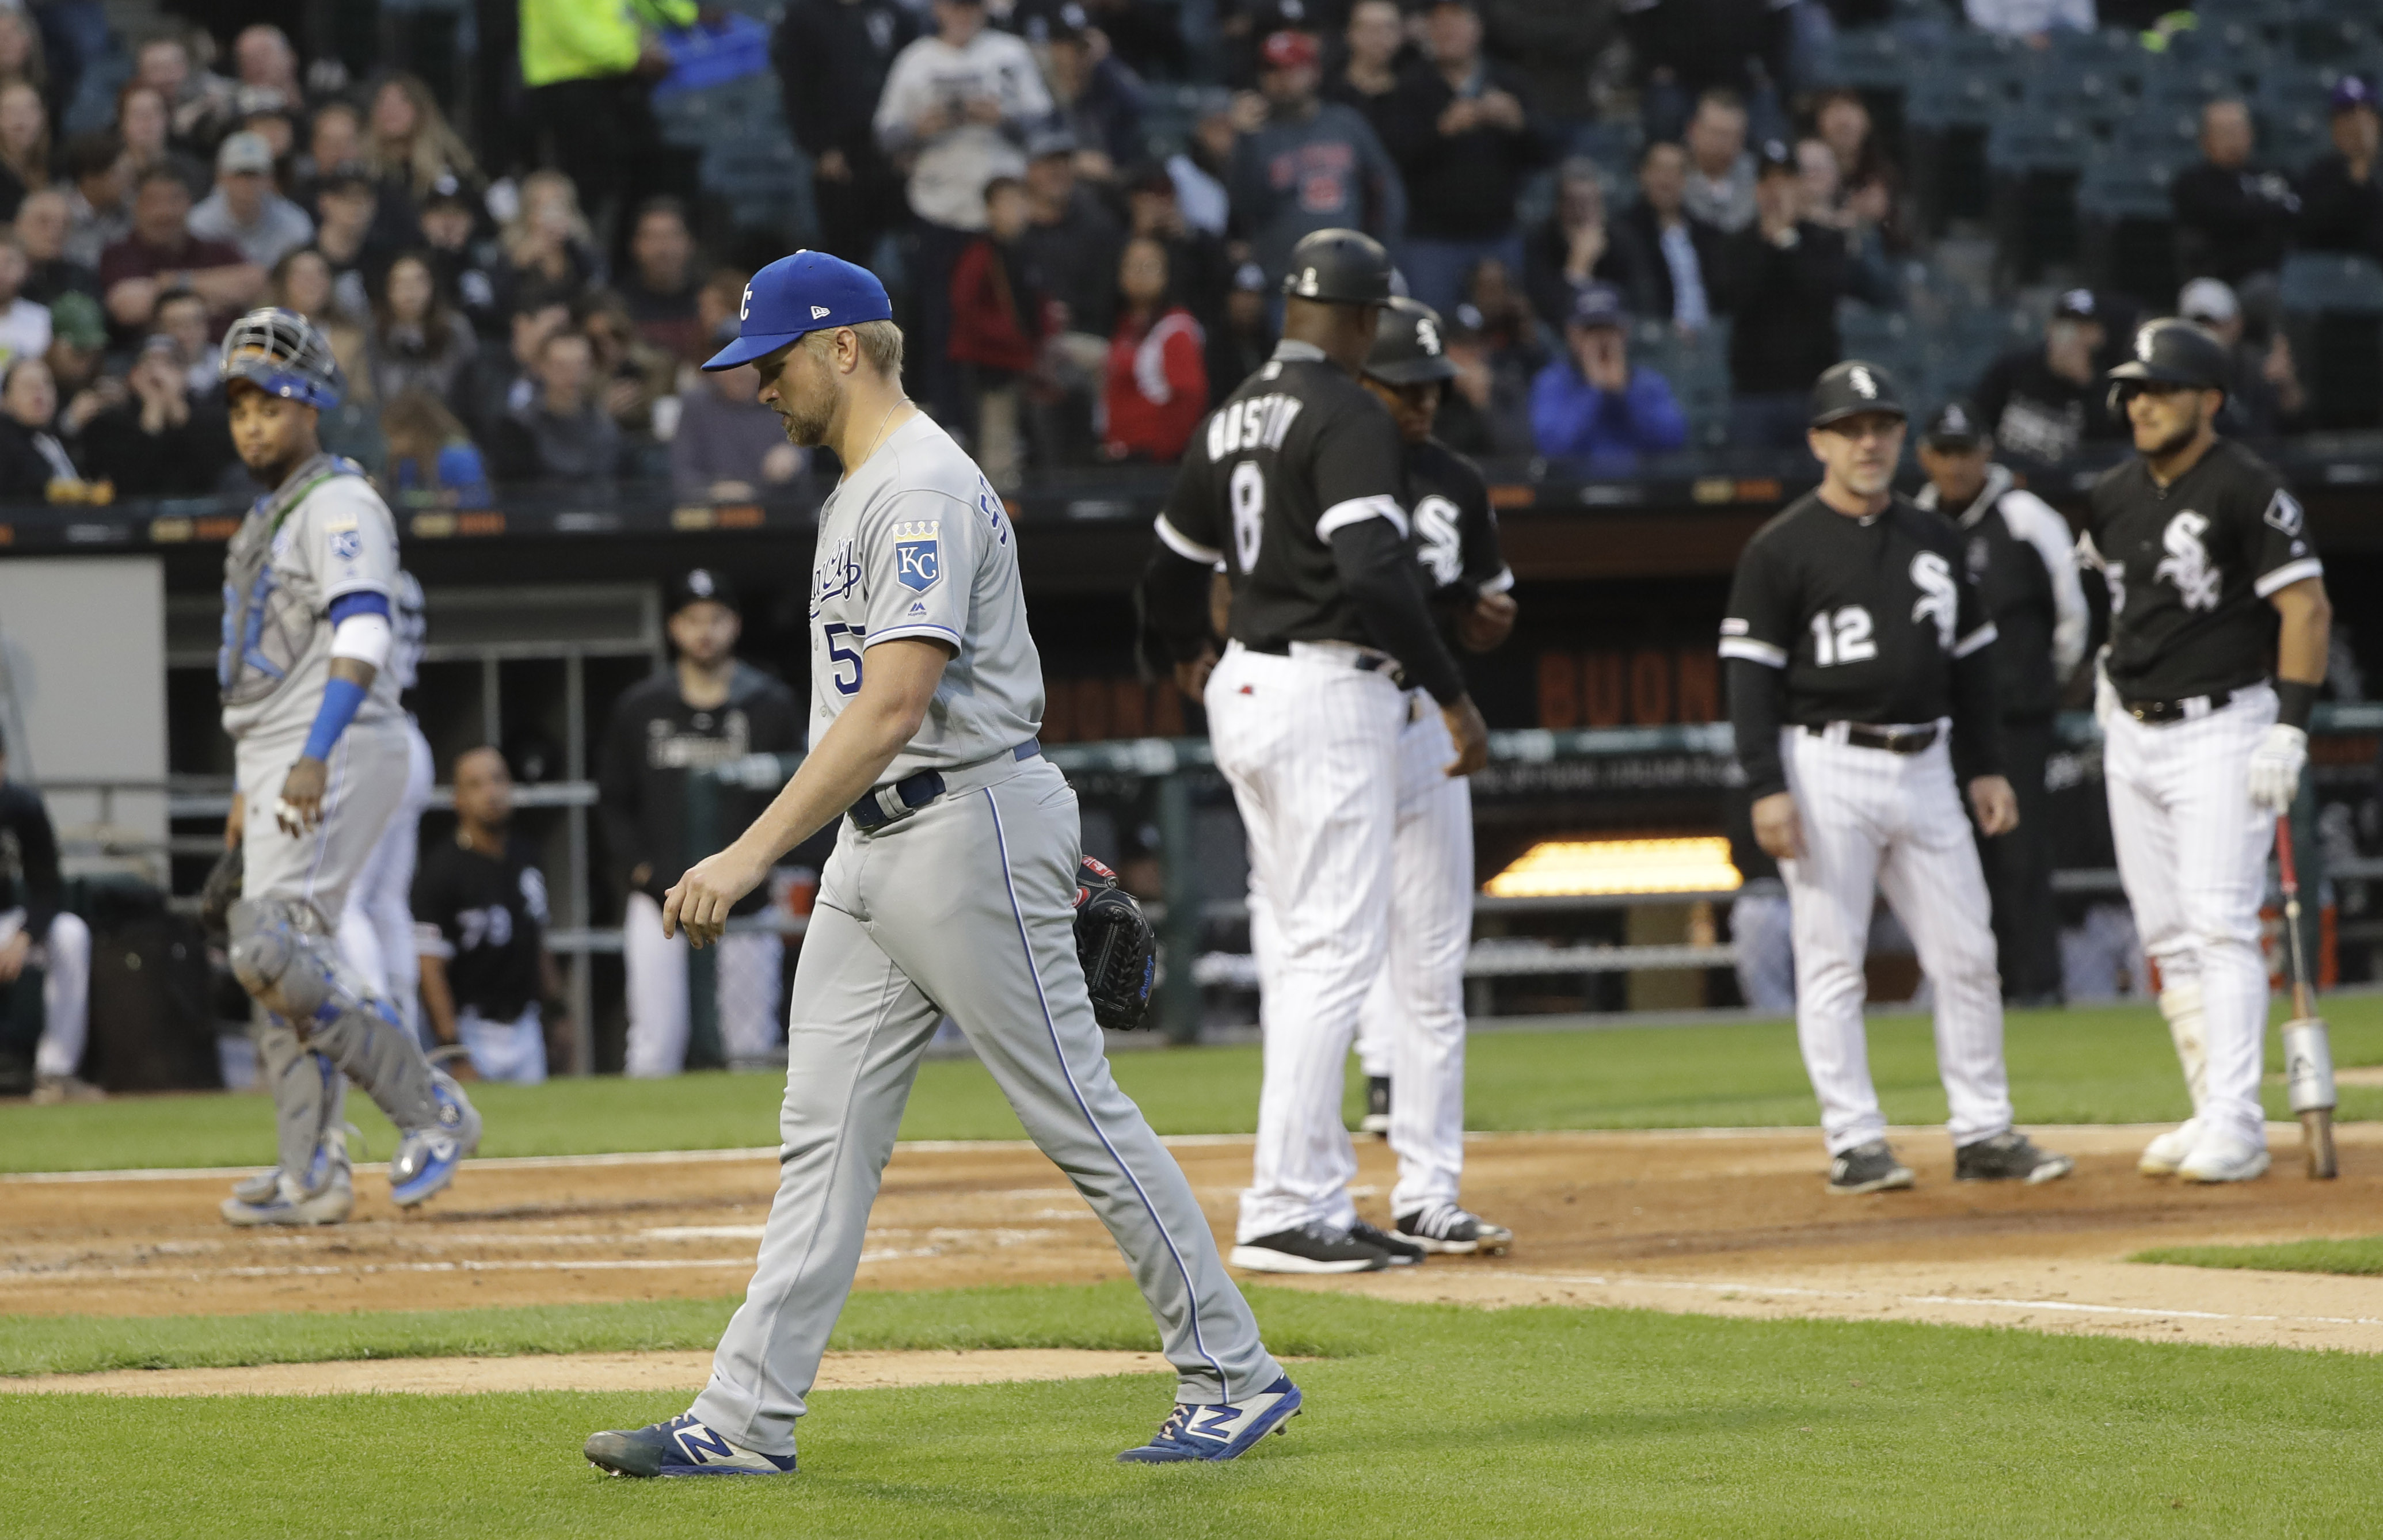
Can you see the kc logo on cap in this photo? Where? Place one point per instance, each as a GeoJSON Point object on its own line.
{"type": "Point", "coordinates": [795, 294]}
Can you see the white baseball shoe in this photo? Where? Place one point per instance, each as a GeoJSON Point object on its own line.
{"type": "Point", "coordinates": [2164, 1154]}
{"type": "Point", "coordinates": [2223, 1158]}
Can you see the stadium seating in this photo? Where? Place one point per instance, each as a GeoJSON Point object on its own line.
{"type": "Point", "coordinates": [2333, 310]}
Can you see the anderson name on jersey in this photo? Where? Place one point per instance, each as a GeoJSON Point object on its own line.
{"type": "Point", "coordinates": [2189, 566]}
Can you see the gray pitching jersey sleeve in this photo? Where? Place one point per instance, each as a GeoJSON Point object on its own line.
{"type": "Point", "coordinates": [915, 543]}
{"type": "Point", "coordinates": [335, 538]}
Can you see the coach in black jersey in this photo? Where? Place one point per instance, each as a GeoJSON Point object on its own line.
{"type": "Point", "coordinates": [2212, 572]}
{"type": "Point", "coordinates": [2023, 558]}
{"type": "Point", "coordinates": [1860, 685]}
{"type": "Point", "coordinates": [1295, 486]}
{"type": "Point", "coordinates": [480, 917]}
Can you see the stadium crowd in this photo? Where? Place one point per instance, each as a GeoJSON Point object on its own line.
{"type": "Point", "coordinates": [527, 304]}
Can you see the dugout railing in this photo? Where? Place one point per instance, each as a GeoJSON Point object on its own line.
{"type": "Point", "coordinates": [1182, 914]}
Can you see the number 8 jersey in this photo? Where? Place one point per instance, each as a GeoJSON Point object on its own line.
{"type": "Point", "coordinates": [1297, 452]}
{"type": "Point", "coordinates": [1866, 616]}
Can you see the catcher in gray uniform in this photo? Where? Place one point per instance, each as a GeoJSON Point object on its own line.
{"type": "Point", "coordinates": [321, 758]}
{"type": "Point", "coordinates": [954, 888]}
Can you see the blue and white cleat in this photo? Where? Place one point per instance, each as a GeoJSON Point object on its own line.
{"type": "Point", "coordinates": [1219, 1430]}
{"type": "Point", "coordinates": [427, 1158]}
{"type": "Point", "coordinates": [681, 1447]}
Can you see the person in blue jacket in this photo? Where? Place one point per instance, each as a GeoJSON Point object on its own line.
{"type": "Point", "coordinates": [1591, 405]}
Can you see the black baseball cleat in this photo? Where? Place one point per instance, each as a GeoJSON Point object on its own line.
{"type": "Point", "coordinates": [1446, 1227]}
{"type": "Point", "coordinates": [1376, 1120]}
{"type": "Point", "coordinates": [1402, 1251]}
{"type": "Point", "coordinates": [1310, 1249]}
{"type": "Point", "coordinates": [2009, 1157]}
{"type": "Point", "coordinates": [1868, 1169]}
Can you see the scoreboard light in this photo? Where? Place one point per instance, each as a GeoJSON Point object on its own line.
{"type": "Point", "coordinates": [1569, 868]}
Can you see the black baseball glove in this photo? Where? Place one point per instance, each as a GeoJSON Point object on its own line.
{"type": "Point", "coordinates": [1115, 943]}
{"type": "Point", "coordinates": [220, 892]}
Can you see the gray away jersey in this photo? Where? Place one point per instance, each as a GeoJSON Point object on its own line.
{"type": "Point", "coordinates": [915, 543]}
{"type": "Point", "coordinates": [337, 540]}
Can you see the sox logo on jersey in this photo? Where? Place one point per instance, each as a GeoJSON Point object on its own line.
{"type": "Point", "coordinates": [1939, 600]}
{"type": "Point", "coordinates": [2188, 565]}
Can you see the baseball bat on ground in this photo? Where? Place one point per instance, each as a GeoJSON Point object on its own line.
{"type": "Point", "coordinates": [2308, 1054]}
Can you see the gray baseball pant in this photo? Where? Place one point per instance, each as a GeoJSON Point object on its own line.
{"type": "Point", "coordinates": [967, 907]}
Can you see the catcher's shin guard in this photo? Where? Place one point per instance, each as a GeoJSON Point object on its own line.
{"type": "Point", "coordinates": [309, 1093]}
{"type": "Point", "coordinates": [295, 972]}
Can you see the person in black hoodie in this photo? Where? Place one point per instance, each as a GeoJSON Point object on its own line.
{"type": "Point", "coordinates": [2042, 402]}
{"type": "Point", "coordinates": [1782, 278]}
{"type": "Point", "coordinates": [1465, 139]}
{"type": "Point", "coordinates": [708, 710]}
{"type": "Point", "coordinates": [2342, 196]}
{"type": "Point", "coordinates": [33, 464]}
{"type": "Point", "coordinates": [167, 440]}
{"type": "Point", "coordinates": [832, 57]}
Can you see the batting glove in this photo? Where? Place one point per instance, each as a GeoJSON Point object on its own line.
{"type": "Point", "coordinates": [2276, 766]}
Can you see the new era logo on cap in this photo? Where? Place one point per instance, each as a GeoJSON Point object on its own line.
{"type": "Point", "coordinates": [818, 311]}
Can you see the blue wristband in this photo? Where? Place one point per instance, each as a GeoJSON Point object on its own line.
{"type": "Point", "coordinates": [341, 699]}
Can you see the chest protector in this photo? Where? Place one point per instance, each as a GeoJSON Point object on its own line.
{"type": "Point", "coordinates": [266, 628]}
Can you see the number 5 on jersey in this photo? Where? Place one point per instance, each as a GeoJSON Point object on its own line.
{"type": "Point", "coordinates": [1843, 637]}
{"type": "Point", "coordinates": [842, 657]}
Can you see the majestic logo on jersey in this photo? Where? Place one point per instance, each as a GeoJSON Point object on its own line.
{"type": "Point", "coordinates": [1439, 546]}
{"type": "Point", "coordinates": [918, 557]}
{"type": "Point", "coordinates": [1245, 425]}
{"type": "Point", "coordinates": [1864, 386]}
{"type": "Point", "coordinates": [2284, 512]}
{"type": "Point", "coordinates": [2188, 565]}
{"type": "Point", "coordinates": [1940, 599]}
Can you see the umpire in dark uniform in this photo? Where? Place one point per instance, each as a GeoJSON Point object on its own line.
{"type": "Point", "coordinates": [1296, 485]}
{"type": "Point", "coordinates": [1862, 694]}
{"type": "Point", "coordinates": [2023, 558]}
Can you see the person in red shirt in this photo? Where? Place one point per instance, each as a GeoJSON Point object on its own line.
{"type": "Point", "coordinates": [997, 330]}
{"type": "Point", "coordinates": [160, 254]}
{"type": "Point", "coordinates": [1157, 374]}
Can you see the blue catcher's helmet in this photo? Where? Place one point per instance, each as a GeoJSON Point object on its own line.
{"type": "Point", "coordinates": [281, 353]}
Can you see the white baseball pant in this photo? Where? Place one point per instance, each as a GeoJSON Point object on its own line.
{"type": "Point", "coordinates": [748, 968]}
{"type": "Point", "coordinates": [64, 956]}
{"type": "Point", "coordinates": [377, 928]}
{"type": "Point", "coordinates": [2193, 853]}
{"type": "Point", "coordinates": [1309, 744]}
{"type": "Point", "coordinates": [511, 1051]}
{"type": "Point", "coordinates": [1879, 822]}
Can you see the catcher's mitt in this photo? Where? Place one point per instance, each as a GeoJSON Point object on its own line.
{"type": "Point", "coordinates": [220, 892]}
{"type": "Point", "coordinates": [1115, 943]}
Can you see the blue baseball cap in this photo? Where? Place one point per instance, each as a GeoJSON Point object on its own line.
{"type": "Point", "coordinates": [808, 292]}
{"type": "Point", "coordinates": [2349, 93]}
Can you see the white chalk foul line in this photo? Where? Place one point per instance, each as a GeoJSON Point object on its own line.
{"type": "Point", "coordinates": [1980, 1302]}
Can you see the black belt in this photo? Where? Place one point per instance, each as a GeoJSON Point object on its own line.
{"type": "Point", "coordinates": [899, 799]}
{"type": "Point", "coordinates": [1861, 734]}
{"type": "Point", "coordinates": [2159, 713]}
{"type": "Point", "coordinates": [1364, 659]}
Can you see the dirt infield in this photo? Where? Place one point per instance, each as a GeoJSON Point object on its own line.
{"type": "Point", "coordinates": [1720, 1222]}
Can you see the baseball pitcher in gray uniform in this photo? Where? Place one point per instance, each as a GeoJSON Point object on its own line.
{"type": "Point", "coordinates": [322, 760]}
{"type": "Point", "coordinates": [952, 888]}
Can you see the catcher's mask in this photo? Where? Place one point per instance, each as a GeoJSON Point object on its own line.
{"type": "Point", "coordinates": [281, 353]}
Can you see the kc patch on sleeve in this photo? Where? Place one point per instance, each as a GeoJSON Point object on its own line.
{"type": "Point", "coordinates": [917, 555]}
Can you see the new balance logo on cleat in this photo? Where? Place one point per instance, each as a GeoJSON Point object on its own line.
{"type": "Point", "coordinates": [681, 1447]}
{"type": "Point", "coordinates": [1218, 1430]}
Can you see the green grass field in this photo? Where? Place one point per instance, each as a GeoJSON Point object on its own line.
{"type": "Point", "coordinates": [2360, 1256]}
{"type": "Point", "coordinates": [2105, 1066]}
{"type": "Point", "coordinates": [1436, 1420]}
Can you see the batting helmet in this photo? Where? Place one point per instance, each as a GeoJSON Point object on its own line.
{"type": "Point", "coordinates": [1407, 346]}
{"type": "Point", "coordinates": [2170, 351]}
{"type": "Point", "coordinates": [281, 353]}
{"type": "Point", "coordinates": [1343, 267]}
{"type": "Point", "coordinates": [1851, 389]}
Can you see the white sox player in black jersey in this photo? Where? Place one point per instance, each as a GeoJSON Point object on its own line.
{"type": "Point", "coordinates": [1860, 685]}
{"type": "Point", "coordinates": [2211, 568]}
{"type": "Point", "coordinates": [1297, 486]}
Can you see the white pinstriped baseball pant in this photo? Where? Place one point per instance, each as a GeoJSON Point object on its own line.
{"type": "Point", "coordinates": [2193, 853]}
{"type": "Point", "coordinates": [1309, 744]}
{"type": "Point", "coordinates": [1879, 822]}
{"type": "Point", "coordinates": [1411, 1027]}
